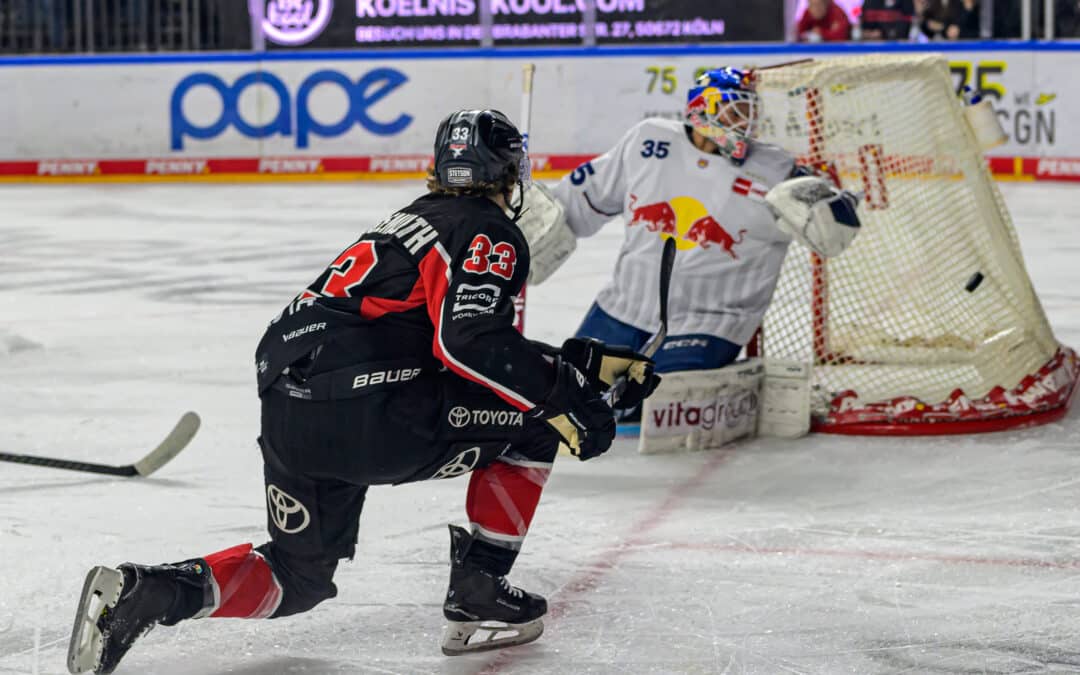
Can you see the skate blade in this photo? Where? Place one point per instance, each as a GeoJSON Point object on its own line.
{"type": "Point", "coordinates": [467, 637]}
{"type": "Point", "coordinates": [101, 590]}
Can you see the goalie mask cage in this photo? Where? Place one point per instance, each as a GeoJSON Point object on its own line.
{"type": "Point", "coordinates": [928, 323]}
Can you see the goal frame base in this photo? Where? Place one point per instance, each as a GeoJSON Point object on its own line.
{"type": "Point", "coordinates": [1050, 408]}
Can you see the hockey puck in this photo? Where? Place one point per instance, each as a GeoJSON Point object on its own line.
{"type": "Point", "coordinates": [973, 282]}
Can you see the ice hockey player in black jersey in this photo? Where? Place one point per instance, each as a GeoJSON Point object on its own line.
{"type": "Point", "coordinates": [399, 363]}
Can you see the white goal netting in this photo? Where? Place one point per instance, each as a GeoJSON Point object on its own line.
{"type": "Point", "coordinates": [930, 315]}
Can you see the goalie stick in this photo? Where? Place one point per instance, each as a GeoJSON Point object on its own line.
{"type": "Point", "coordinates": [667, 264]}
{"type": "Point", "coordinates": [525, 121]}
{"type": "Point", "coordinates": [170, 447]}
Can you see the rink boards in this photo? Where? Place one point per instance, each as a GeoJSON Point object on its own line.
{"type": "Point", "coordinates": [371, 115]}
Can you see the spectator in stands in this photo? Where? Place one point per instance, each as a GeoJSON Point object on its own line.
{"type": "Point", "coordinates": [887, 19]}
{"type": "Point", "coordinates": [31, 25]}
{"type": "Point", "coordinates": [930, 20]}
{"type": "Point", "coordinates": [1068, 19]}
{"type": "Point", "coordinates": [823, 21]}
{"type": "Point", "coordinates": [963, 20]}
{"type": "Point", "coordinates": [1006, 19]}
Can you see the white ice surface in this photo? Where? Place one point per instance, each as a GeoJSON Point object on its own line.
{"type": "Point", "coordinates": [123, 306]}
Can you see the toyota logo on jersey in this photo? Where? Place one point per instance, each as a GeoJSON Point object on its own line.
{"type": "Point", "coordinates": [460, 416]}
{"type": "Point", "coordinates": [288, 514]}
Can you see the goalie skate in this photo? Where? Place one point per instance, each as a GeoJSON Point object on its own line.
{"type": "Point", "coordinates": [484, 611]}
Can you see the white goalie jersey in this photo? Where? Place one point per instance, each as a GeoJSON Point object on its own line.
{"type": "Point", "coordinates": [730, 249]}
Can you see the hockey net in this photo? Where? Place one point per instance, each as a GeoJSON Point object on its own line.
{"type": "Point", "coordinates": [928, 323]}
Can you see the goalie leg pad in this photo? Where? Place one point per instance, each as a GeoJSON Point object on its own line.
{"type": "Point", "coordinates": [702, 409]}
{"type": "Point", "coordinates": [785, 399]}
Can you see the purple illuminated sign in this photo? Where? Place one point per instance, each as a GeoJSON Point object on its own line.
{"type": "Point", "coordinates": [313, 23]}
{"type": "Point", "coordinates": [420, 8]}
{"type": "Point", "coordinates": [296, 22]}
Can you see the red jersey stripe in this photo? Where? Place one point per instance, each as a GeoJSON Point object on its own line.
{"type": "Point", "coordinates": [435, 272]}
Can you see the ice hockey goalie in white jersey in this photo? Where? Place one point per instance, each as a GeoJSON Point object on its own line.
{"type": "Point", "coordinates": [703, 182]}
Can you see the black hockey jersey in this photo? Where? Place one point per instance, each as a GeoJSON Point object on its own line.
{"type": "Point", "coordinates": [433, 282]}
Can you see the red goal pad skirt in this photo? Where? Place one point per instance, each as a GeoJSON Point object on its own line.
{"type": "Point", "coordinates": [1040, 398]}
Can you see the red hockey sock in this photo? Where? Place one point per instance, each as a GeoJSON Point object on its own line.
{"type": "Point", "coordinates": [244, 584]}
{"type": "Point", "coordinates": [503, 497]}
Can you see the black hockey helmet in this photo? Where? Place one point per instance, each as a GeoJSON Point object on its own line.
{"type": "Point", "coordinates": [480, 149]}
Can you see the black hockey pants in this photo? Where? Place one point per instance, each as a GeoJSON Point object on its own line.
{"type": "Point", "coordinates": [321, 456]}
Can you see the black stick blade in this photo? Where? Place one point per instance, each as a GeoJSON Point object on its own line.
{"type": "Point", "coordinates": [176, 441]}
{"type": "Point", "coordinates": [667, 265]}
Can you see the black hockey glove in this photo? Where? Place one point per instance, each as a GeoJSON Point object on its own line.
{"type": "Point", "coordinates": [577, 413]}
{"type": "Point", "coordinates": [604, 364]}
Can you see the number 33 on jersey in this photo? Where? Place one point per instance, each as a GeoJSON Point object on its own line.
{"type": "Point", "coordinates": [498, 259]}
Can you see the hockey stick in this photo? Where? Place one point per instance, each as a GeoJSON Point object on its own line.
{"type": "Point", "coordinates": [667, 265]}
{"type": "Point", "coordinates": [524, 122]}
{"type": "Point", "coordinates": [176, 441]}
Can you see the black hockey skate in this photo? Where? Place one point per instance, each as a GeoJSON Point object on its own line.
{"type": "Point", "coordinates": [484, 610]}
{"type": "Point", "coordinates": [118, 606]}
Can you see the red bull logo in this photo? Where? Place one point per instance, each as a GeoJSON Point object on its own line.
{"type": "Point", "coordinates": [685, 220]}
{"type": "Point", "coordinates": [659, 217]}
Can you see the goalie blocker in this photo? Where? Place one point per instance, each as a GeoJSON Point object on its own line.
{"type": "Point", "coordinates": [703, 409]}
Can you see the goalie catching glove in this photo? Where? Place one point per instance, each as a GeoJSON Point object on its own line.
{"type": "Point", "coordinates": [604, 364]}
{"type": "Point", "coordinates": [577, 413]}
{"type": "Point", "coordinates": [815, 213]}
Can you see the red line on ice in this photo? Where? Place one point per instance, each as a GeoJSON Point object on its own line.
{"type": "Point", "coordinates": [875, 555]}
{"type": "Point", "coordinates": [590, 577]}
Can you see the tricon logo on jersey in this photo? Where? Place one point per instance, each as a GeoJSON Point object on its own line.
{"type": "Point", "coordinates": [294, 113]}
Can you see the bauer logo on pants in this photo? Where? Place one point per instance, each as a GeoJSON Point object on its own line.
{"type": "Point", "coordinates": [288, 514]}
